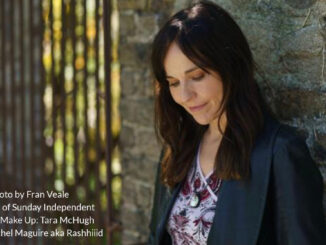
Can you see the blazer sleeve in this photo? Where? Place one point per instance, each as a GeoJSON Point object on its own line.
{"type": "Point", "coordinates": [158, 197]}
{"type": "Point", "coordinates": [298, 189]}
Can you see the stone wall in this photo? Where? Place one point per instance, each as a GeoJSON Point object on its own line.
{"type": "Point", "coordinates": [139, 21]}
{"type": "Point", "coordinates": [288, 39]}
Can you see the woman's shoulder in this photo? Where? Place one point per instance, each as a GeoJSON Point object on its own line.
{"type": "Point", "coordinates": [288, 137]}
{"type": "Point", "coordinates": [281, 135]}
{"type": "Point", "coordinates": [297, 185]}
{"type": "Point", "coordinates": [288, 149]}
{"type": "Point", "coordinates": [292, 158]}
{"type": "Point", "coordinates": [292, 162]}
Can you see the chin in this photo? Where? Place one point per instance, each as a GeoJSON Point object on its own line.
{"type": "Point", "coordinates": [201, 121]}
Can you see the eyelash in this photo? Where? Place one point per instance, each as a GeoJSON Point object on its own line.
{"type": "Point", "coordinates": [173, 84]}
{"type": "Point", "coordinates": [194, 78]}
{"type": "Point", "coordinates": [198, 78]}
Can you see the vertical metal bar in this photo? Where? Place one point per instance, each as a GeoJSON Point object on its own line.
{"type": "Point", "coordinates": [12, 80]}
{"type": "Point", "coordinates": [62, 92]}
{"type": "Point", "coordinates": [11, 35]}
{"type": "Point", "coordinates": [85, 90]}
{"type": "Point", "coordinates": [42, 89]}
{"type": "Point", "coordinates": [22, 91]}
{"type": "Point", "coordinates": [2, 93]}
{"type": "Point", "coordinates": [97, 89]}
{"type": "Point", "coordinates": [22, 96]}
{"type": "Point", "coordinates": [62, 87]}
{"type": "Point", "coordinates": [54, 102]}
{"type": "Point", "coordinates": [42, 116]}
{"type": "Point", "coordinates": [32, 92]}
{"type": "Point", "coordinates": [3, 104]}
{"type": "Point", "coordinates": [107, 65]}
{"type": "Point", "coordinates": [4, 100]}
{"type": "Point", "coordinates": [76, 175]}
{"type": "Point", "coordinates": [53, 82]}
{"type": "Point", "coordinates": [74, 105]}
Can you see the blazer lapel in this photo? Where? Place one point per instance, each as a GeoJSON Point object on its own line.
{"type": "Point", "coordinates": [240, 207]}
{"type": "Point", "coordinates": [168, 204]}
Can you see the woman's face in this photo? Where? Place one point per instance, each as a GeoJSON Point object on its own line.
{"type": "Point", "coordinates": [198, 92]}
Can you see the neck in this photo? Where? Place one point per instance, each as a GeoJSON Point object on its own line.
{"type": "Point", "coordinates": [213, 133]}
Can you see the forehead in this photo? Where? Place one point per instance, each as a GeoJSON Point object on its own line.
{"type": "Point", "coordinates": [175, 62]}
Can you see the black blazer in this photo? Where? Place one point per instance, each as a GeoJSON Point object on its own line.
{"type": "Point", "coordinates": [281, 204]}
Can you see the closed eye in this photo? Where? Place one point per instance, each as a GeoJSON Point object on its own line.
{"type": "Point", "coordinates": [199, 77]}
{"type": "Point", "coordinates": [174, 84]}
{"type": "Point", "coordinates": [195, 78]}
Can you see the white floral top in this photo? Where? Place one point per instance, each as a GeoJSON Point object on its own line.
{"type": "Point", "coordinates": [192, 214]}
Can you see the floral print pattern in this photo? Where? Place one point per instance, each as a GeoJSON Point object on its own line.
{"type": "Point", "coordinates": [191, 225]}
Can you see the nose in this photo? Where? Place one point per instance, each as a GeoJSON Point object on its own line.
{"type": "Point", "coordinates": [186, 93]}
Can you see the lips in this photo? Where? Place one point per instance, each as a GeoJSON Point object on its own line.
{"type": "Point", "coordinates": [197, 108]}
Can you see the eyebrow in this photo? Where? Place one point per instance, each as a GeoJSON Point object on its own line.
{"type": "Point", "coordinates": [187, 71]}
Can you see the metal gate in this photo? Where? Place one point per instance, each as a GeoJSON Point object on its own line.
{"type": "Point", "coordinates": [55, 119]}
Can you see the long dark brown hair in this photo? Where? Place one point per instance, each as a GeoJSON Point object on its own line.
{"type": "Point", "coordinates": [211, 39]}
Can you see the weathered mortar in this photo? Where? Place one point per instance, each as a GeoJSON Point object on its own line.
{"type": "Point", "coordinates": [288, 39]}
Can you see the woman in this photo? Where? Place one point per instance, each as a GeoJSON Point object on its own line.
{"type": "Point", "coordinates": [230, 174]}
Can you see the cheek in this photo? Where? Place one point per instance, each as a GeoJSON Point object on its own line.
{"type": "Point", "coordinates": [214, 93]}
{"type": "Point", "coordinates": [218, 96]}
{"type": "Point", "coordinates": [174, 95]}
{"type": "Point", "coordinates": [216, 90]}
